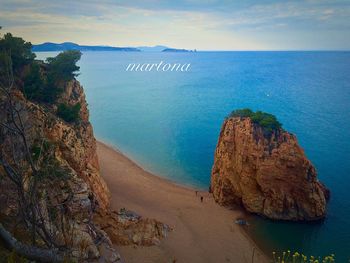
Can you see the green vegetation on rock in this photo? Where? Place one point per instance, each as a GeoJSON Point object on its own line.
{"type": "Point", "coordinates": [40, 82]}
{"type": "Point", "coordinates": [63, 67]}
{"type": "Point", "coordinates": [69, 113]}
{"type": "Point", "coordinates": [35, 172]}
{"type": "Point", "coordinates": [34, 85]}
{"type": "Point", "coordinates": [267, 121]}
{"type": "Point", "coordinates": [19, 50]}
{"type": "Point", "coordinates": [288, 257]}
{"type": "Point", "coordinates": [46, 84]}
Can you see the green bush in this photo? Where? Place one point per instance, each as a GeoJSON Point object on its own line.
{"type": "Point", "coordinates": [267, 121]}
{"type": "Point", "coordinates": [52, 90]}
{"type": "Point", "coordinates": [63, 67]}
{"type": "Point", "coordinates": [69, 113]}
{"type": "Point", "coordinates": [34, 86]}
{"type": "Point", "coordinates": [19, 50]}
{"type": "Point", "coordinates": [41, 85]}
{"type": "Point", "coordinates": [46, 86]}
{"type": "Point", "coordinates": [60, 70]}
{"type": "Point", "coordinates": [288, 257]}
{"type": "Point", "coordinates": [242, 113]}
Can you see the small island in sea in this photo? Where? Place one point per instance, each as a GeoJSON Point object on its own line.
{"type": "Point", "coordinates": [176, 50]}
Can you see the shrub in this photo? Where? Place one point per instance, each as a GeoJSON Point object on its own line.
{"type": "Point", "coordinates": [69, 113]}
{"type": "Point", "coordinates": [34, 85]}
{"type": "Point", "coordinates": [63, 67]}
{"type": "Point", "coordinates": [242, 113]}
{"type": "Point", "coordinates": [267, 121]}
{"type": "Point", "coordinates": [288, 257]}
{"type": "Point", "coordinates": [41, 85]}
{"type": "Point", "coordinates": [19, 50]}
{"type": "Point", "coordinates": [52, 90]}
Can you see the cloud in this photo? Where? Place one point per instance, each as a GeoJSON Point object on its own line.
{"type": "Point", "coordinates": [205, 24]}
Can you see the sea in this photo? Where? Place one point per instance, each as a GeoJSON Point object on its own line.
{"type": "Point", "coordinates": [169, 122]}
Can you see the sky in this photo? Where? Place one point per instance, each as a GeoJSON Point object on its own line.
{"type": "Point", "coordinates": [190, 24]}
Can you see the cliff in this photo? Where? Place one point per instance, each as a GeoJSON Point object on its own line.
{"type": "Point", "coordinates": [54, 205]}
{"type": "Point", "coordinates": [265, 172]}
{"type": "Point", "coordinates": [64, 155]}
{"type": "Point", "coordinates": [76, 144]}
{"type": "Point", "coordinates": [66, 159]}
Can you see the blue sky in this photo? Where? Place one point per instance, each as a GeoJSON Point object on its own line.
{"type": "Point", "coordinates": [200, 24]}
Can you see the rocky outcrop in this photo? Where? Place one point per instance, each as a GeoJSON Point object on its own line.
{"type": "Point", "coordinates": [83, 220]}
{"type": "Point", "coordinates": [128, 228]}
{"type": "Point", "coordinates": [74, 143]}
{"type": "Point", "coordinates": [78, 189]}
{"type": "Point", "coordinates": [268, 175]}
{"type": "Point", "coordinates": [77, 144]}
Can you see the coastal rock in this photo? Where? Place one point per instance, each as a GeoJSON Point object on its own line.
{"type": "Point", "coordinates": [127, 228]}
{"type": "Point", "coordinates": [79, 189]}
{"type": "Point", "coordinates": [267, 175]}
{"type": "Point", "coordinates": [87, 226]}
{"type": "Point", "coordinates": [77, 144]}
{"type": "Point", "coordinates": [108, 254]}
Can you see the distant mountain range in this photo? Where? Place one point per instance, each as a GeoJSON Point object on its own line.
{"type": "Point", "coordinates": [48, 46]}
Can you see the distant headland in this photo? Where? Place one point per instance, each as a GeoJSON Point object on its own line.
{"type": "Point", "coordinates": [48, 46]}
{"type": "Point", "coordinates": [177, 50]}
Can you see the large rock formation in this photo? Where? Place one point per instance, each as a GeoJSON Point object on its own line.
{"type": "Point", "coordinates": [74, 143]}
{"type": "Point", "coordinates": [78, 188]}
{"type": "Point", "coordinates": [77, 144]}
{"type": "Point", "coordinates": [267, 174]}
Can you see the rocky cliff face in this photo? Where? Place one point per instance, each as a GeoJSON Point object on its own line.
{"type": "Point", "coordinates": [77, 144]}
{"type": "Point", "coordinates": [78, 189]}
{"type": "Point", "coordinates": [74, 144]}
{"type": "Point", "coordinates": [77, 186]}
{"type": "Point", "coordinates": [267, 175]}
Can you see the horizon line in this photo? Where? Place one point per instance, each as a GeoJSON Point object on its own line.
{"type": "Point", "coordinates": [198, 50]}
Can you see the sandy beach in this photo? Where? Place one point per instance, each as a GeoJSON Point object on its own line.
{"type": "Point", "coordinates": [203, 231]}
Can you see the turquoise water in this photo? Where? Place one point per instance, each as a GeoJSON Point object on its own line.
{"type": "Point", "coordinates": [169, 121]}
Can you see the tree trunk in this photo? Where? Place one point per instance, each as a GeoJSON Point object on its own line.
{"type": "Point", "coordinates": [30, 252]}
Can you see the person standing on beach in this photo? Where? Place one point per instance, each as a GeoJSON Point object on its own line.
{"type": "Point", "coordinates": [202, 199]}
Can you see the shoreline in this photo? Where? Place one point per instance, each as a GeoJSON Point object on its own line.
{"type": "Point", "coordinates": [149, 173]}
{"type": "Point", "coordinates": [203, 232]}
